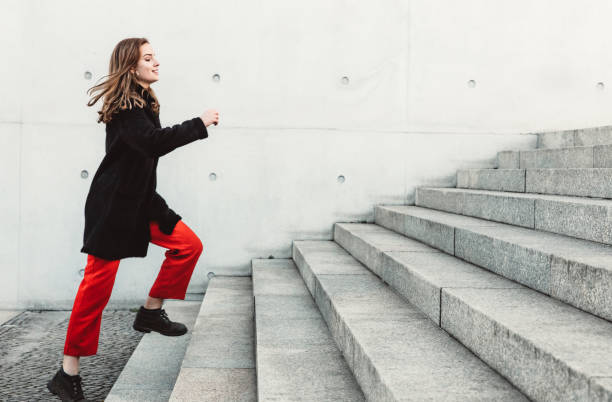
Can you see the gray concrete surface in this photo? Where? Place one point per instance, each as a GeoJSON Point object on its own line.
{"type": "Point", "coordinates": [547, 348]}
{"type": "Point", "coordinates": [415, 271]}
{"type": "Point", "coordinates": [492, 179]}
{"type": "Point", "coordinates": [571, 157]}
{"type": "Point", "coordinates": [394, 350]}
{"type": "Point", "coordinates": [151, 371]}
{"type": "Point", "coordinates": [573, 270]}
{"type": "Point", "coordinates": [575, 182]}
{"type": "Point", "coordinates": [572, 138]}
{"type": "Point", "coordinates": [219, 360]}
{"type": "Point", "coordinates": [508, 207]}
{"type": "Point", "coordinates": [580, 217]}
{"type": "Point", "coordinates": [297, 358]}
{"type": "Point", "coordinates": [508, 160]}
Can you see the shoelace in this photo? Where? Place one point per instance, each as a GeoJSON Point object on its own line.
{"type": "Point", "coordinates": [164, 315]}
{"type": "Point", "coordinates": [76, 386]}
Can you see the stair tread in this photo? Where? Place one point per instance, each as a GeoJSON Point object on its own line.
{"type": "Point", "coordinates": [219, 361]}
{"type": "Point", "coordinates": [559, 245]}
{"type": "Point", "coordinates": [604, 202]}
{"type": "Point", "coordinates": [293, 342]}
{"type": "Point", "coordinates": [408, 352]}
{"type": "Point", "coordinates": [562, 336]}
{"type": "Point", "coordinates": [165, 367]}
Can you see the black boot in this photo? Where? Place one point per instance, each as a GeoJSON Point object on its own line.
{"type": "Point", "coordinates": [67, 387]}
{"type": "Point", "coordinates": [157, 320]}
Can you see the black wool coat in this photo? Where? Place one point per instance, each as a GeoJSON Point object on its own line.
{"type": "Point", "coordinates": [122, 197]}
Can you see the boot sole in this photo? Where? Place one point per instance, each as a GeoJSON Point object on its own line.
{"type": "Point", "coordinates": [147, 330]}
{"type": "Point", "coordinates": [57, 392]}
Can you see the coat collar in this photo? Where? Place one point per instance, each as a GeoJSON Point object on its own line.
{"type": "Point", "coordinates": [144, 92]}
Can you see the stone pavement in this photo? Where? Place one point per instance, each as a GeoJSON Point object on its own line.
{"type": "Point", "coordinates": [31, 350]}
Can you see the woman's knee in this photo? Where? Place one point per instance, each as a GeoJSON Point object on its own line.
{"type": "Point", "coordinates": [196, 246]}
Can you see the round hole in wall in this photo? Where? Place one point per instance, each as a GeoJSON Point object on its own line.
{"type": "Point", "coordinates": [216, 78]}
{"type": "Point", "coordinates": [344, 80]}
{"type": "Point", "coordinates": [210, 275]}
{"type": "Point", "coordinates": [88, 75]}
{"type": "Point", "coordinates": [341, 179]}
{"type": "Point", "coordinates": [84, 174]}
{"type": "Point", "coordinates": [600, 85]}
{"type": "Point", "coordinates": [471, 83]}
{"type": "Point", "coordinates": [212, 176]}
{"type": "Point", "coordinates": [82, 272]}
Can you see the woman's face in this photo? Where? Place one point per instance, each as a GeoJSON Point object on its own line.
{"type": "Point", "coordinates": [146, 70]}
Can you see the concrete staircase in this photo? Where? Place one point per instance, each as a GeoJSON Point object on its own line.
{"type": "Point", "coordinates": [499, 289]}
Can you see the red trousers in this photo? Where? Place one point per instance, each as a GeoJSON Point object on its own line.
{"type": "Point", "coordinates": [184, 249]}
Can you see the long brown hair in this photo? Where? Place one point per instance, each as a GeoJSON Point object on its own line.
{"type": "Point", "coordinates": [121, 90]}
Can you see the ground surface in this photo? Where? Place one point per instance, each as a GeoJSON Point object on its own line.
{"type": "Point", "coordinates": [31, 350]}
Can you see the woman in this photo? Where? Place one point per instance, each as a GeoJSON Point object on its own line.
{"type": "Point", "coordinates": [123, 212]}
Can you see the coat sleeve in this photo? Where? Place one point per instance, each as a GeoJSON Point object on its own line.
{"type": "Point", "coordinates": [164, 215]}
{"type": "Point", "coordinates": [141, 134]}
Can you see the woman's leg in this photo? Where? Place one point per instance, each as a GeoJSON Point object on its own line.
{"type": "Point", "coordinates": [184, 249]}
{"type": "Point", "coordinates": [84, 325]}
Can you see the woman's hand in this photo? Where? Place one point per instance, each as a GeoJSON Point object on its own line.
{"type": "Point", "coordinates": [210, 117]}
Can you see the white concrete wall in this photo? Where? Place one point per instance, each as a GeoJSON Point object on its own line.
{"type": "Point", "coordinates": [289, 126]}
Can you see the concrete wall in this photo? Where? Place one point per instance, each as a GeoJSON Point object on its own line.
{"type": "Point", "coordinates": [289, 125]}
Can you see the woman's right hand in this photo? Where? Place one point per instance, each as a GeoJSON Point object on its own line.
{"type": "Point", "coordinates": [210, 117]}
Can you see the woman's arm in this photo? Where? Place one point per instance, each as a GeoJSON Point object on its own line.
{"type": "Point", "coordinates": [140, 133]}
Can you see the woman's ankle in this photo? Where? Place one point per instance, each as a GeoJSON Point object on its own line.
{"type": "Point", "coordinates": [70, 365]}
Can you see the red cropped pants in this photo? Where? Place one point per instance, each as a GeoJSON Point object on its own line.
{"type": "Point", "coordinates": [184, 249]}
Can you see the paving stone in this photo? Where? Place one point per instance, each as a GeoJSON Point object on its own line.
{"type": "Point", "coordinates": [31, 351]}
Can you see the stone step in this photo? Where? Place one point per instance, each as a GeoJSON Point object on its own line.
{"type": "Point", "coordinates": [599, 156]}
{"type": "Point", "coordinates": [574, 182]}
{"type": "Point", "coordinates": [594, 182]}
{"type": "Point", "coordinates": [548, 349]}
{"type": "Point", "coordinates": [296, 356]}
{"type": "Point", "coordinates": [583, 218]}
{"type": "Point", "coordinates": [159, 357]}
{"type": "Point", "coordinates": [578, 272]}
{"type": "Point", "coordinates": [575, 138]}
{"type": "Point", "coordinates": [219, 363]}
{"type": "Point", "coordinates": [394, 351]}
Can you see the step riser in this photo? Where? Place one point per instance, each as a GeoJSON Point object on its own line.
{"type": "Point", "coordinates": [410, 281]}
{"type": "Point", "coordinates": [578, 157]}
{"type": "Point", "coordinates": [582, 221]}
{"type": "Point", "coordinates": [584, 286]}
{"type": "Point", "coordinates": [492, 179]}
{"type": "Point", "coordinates": [540, 375]}
{"type": "Point", "coordinates": [576, 138]}
{"type": "Point", "coordinates": [512, 210]}
{"type": "Point", "coordinates": [572, 182]}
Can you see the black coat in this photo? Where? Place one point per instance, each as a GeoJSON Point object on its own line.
{"type": "Point", "coordinates": [122, 197]}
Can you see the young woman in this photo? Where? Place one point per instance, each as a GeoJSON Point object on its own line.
{"type": "Point", "coordinates": [123, 212]}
